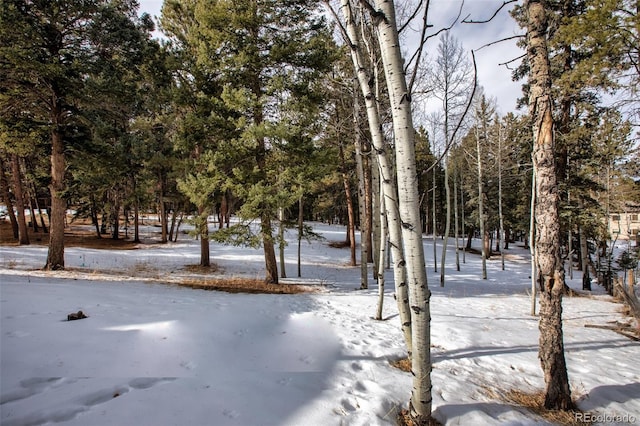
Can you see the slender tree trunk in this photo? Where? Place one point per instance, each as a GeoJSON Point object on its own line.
{"type": "Point", "coordinates": [55, 256]}
{"type": "Point", "coordinates": [6, 196]}
{"type": "Point", "coordinates": [17, 191]}
{"type": "Point", "coordinates": [115, 216]}
{"type": "Point", "coordinates": [205, 255]}
{"type": "Point", "coordinates": [409, 206]}
{"type": "Point", "coordinates": [376, 216]}
{"type": "Point", "coordinates": [456, 228]}
{"type": "Point", "coordinates": [584, 260]}
{"type": "Point", "coordinates": [300, 231]}
{"type": "Point", "coordinates": [447, 225]}
{"type": "Point", "coordinates": [501, 237]}
{"type": "Point", "coordinates": [269, 250]}
{"type": "Point", "coordinates": [382, 234]}
{"type": "Point", "coordinates": [136, 217]}
{"type": "Point", "coordinates": [39, 210]}
{"type": "Point", "coordinates": [351, 225]}
{"type": "Point", "coordinates": [387, 178]}
{"type": "Point", "coordinates": [481, 206]}
{"type": "Point", "coordinates": [462, 224]}
{"type": "Point", "coordinates": [547, 238]}
{"type": "Point", "coordinates": [433, 215]}
{"type": "Point", "coordinates": [362, 199]}
{"type": "Point", "coordinates": [283, 273]}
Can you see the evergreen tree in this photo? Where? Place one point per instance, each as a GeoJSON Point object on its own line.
{"type": "Point", "coordinates": [265, 53]}
{"type": "Point", "coordinates": [49, 48]}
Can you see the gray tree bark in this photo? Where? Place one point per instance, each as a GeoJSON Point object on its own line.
{"type": "Point", "coordinates": [550, 274]}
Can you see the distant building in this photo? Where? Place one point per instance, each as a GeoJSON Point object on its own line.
{"type": "Point", "coordinates": [625, 225]}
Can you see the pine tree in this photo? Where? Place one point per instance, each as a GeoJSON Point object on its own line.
{"type": "Point", "coordinates": [265, 52]}
{"type": "Point", "coordinates": [48, 50]}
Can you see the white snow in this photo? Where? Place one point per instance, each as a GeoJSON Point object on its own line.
{"type": "Point", "coordinates": [156, 354]}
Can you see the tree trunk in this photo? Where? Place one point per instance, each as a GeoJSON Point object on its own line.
{"type": "Point", "coordinates": [351, 225]}
{"type": "Point", "coordinates": [447, 226]}
{"type": "Point", "coordinates": [382, 234]}
{"type": "Point", "coordinates": [481, 205]}
{"type": "Point", "coordinates": [136, 217]}
{"type": "Point", "coordinates": [205, 255]}
{"type": "Point", "coordinates": [23, 229]}
{"type": "Point", "coordinates": [547, 238]}
{"type": "Point", "coordinates": [584, 260]}
{"type": "Point", "coordinates": [269, 251]}
{"type": "Point", "coordinates": [433, 215]}
{"type": "Point", "coordinates": [300, 230]}
{"type": "Point", "coordinates": [6, 196]}
{"type": "Point", "coordinates": [409, 205]}
{"type": "Point", "coordinates": [456, 228]}
{"type": "Point", "coordinates": [283, 273]}
{"type": "Point", "coordinates": [501, 236]}
{"type": "Point", "coordinates": [362, 198]}
{"type": "Point", "coordinates": [386, 177]}
{"type": "Point", "coordinates": [55, 256]}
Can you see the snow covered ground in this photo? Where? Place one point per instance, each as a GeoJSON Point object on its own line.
{"type": "Point", "coordinates": [152, 354]}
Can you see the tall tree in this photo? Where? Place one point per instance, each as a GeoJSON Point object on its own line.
{"type": "Point", "coordinates": [452, 82]}
{"type": "Point", "coordinates": [384, 20]}
{"type": "Point", "coordinates": [550, 273]}
{"type": "Point", "coordinates": [48, 50]}
{"type": "Point", "coordinates": [265, 51]}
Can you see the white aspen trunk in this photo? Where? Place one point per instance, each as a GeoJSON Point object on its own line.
{"type": "Point", "coordinates": [502, 235]}
{"type": "Point", "coordinates": [532, 234]}
{"type": "Point", "coordinates": [481, 204]}
{"type": "Point", "coordinates": [283, 273]}
{"type": "Point", "coordinates": [386, 176]}
{"type": "Point", "coordinates": [447, 225]}
{"type": "Point", "coordinates": [382, 235]}
{"type": "Point", "coordinates": [456, 229]}
{"type": "Point", "coordinates": [433, 216]}
{"type": "Point", "coordinates": [409, 205]}
{"type": "Point", "coordinates": [300, 230]}
{"type": "Point", "coordinates": [464, 249]}
{"type": "Point", "coordinates": [362, 210]}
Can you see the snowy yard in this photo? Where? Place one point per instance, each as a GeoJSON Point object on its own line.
{"type": "Point", "coordinates": [152, 354]}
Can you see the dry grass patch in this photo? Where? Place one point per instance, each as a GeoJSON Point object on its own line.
{"type": "Point", "coordinates": [403, 364]}
{"type": "Point", "coordinates": [339, 244]}
{"type": "Point", "coordinates": [243, 285]}
{"type": "Point", "coordinates": [404, 419]}
{"type": "Point", "coordinates": [534, 402]}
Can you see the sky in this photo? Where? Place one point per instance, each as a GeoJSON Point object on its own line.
{"type": "Point", "coordinates": [493, 77]}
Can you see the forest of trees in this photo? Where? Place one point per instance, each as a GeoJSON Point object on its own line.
{"type": "Point", "coordinates": [278, 112]}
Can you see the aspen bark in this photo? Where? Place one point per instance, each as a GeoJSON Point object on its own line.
{"type": "Point", "coordinates": [387, 179]}
{"type": "Point", "coordinates": [409, 206]}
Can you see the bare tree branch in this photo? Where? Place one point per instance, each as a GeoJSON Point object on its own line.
{"type": "Point", "coordinates": [413, 15]}
{"type": "Point", "coordinates": [471, 21]}
{"type": "Point", "coordinates": [342, 29]}
{"type": "Point", "coordinates": [423, 40]}
{"type": "Point", "coordinates": [506, 64]}
{"type": "Point", "coordinates": [501, 40]}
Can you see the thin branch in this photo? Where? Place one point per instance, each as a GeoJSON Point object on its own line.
{"type": "Point", "coordinates": [413, 15]}
{"type": "Point", "coordinates": [420, 49]}
{"type": "Point", "coordinates": [471, 21]}
{"type": "Point", "coordinates": [424, 38]}
{"type": "Point", "coordinates": [501, 40]}
{"type": "Point", "coordinates": [506, 64]}
{"type": "Point", "coordinates": [342, 29]}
